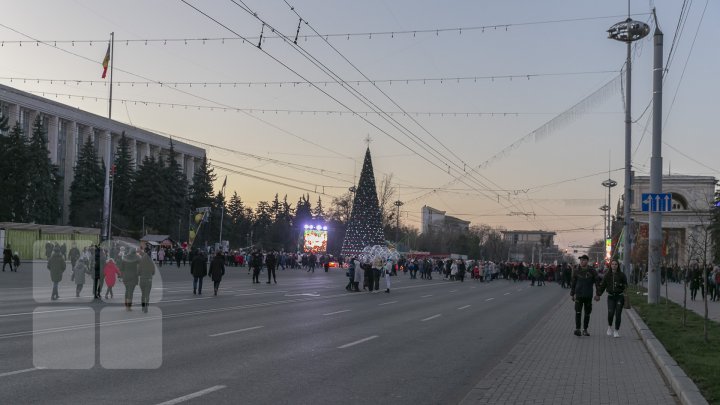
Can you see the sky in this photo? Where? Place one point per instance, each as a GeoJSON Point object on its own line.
{"type": "Point", "coordinates": [513, 109]}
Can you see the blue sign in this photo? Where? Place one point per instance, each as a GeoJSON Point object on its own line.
{"type": "Point", "coordinates": [661, 202]}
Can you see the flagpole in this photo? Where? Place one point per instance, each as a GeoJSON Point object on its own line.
{"type": "Point", "coordinates": [112, 66]}
{"type": "Point", "coordinates": [222, 208]}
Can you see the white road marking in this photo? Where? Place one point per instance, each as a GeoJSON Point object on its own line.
{"type": "Point", "coordinates": [193, 395]}
{"type": "Point", "coordinates": [453, 290]}
{"type": "Point", "coordinates": [507, 293]}
{"type": "Point", "coordinates": [432, 317]}
{"type": "Point", "coordinates": [186, 299]}
{"type": "Point", "coordinates": [27, 370]}
{"type": "Point", "coordinates": [489, 299]}
{"type": "Point", "coordinates": [303, 295]}
{"type": "Point", "coordinates": [357, 342]}
{"type": "Point", "coordinates": [466, 306]}
{"type": "Point", "coordinates": [425, 296]}
{"type": "Point", "coordinates": [337, 312]}
{"type": "Point", "coordinates": [388, 303]}
{"type": "Point", "coordinates": [236, 331]}
{"type": "Point", "coordinates": [41, 312]}
{"type": "Point", "coordinates": [260, 293]}
{"type": "Point", "coordinates": [519, 289]}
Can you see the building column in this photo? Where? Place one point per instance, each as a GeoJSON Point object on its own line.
{"type": "Point", "coordinates": [52, 136]}
{"type": "Point", "coordinates": [13, 115]}
{"type": "Point", "coordinates": [133, 152]}
{"type": "Point", "coordinates": [190, 169]}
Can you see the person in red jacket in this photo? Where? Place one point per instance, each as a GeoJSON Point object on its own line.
{"type": "Point", "coordinates": [111, 272]}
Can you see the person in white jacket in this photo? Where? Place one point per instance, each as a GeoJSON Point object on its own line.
{"type": "Point", "coordinates": [387, 271]}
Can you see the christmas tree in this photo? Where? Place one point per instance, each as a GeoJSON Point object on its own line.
{"type": "Point", "coordinates": [365, 226]}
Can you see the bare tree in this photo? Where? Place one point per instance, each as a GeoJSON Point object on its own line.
{"type": "Point", "coordinates": [386, 193]}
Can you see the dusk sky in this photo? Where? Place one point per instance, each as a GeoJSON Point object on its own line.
{"type": "Point", "coordinates": [489, 73]}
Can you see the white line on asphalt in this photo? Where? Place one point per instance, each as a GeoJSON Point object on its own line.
{"type": "Point", "coordinates": [236, 331]}
{"type": "Point", "coordinates": [388, 303]}
{"type": "Point", "coordinates": [466, 306]}
{"type": "Point", "coordinates": [193, 395]}
{"type": "Point", "coordinates": [41, 312]}
{"type": "Point", "coordinates": [261, 293]}
{"type": "Point", "coordinates": [489, 299]}
{"type": "Point", "coordinates": [357, 342]}
{"type": "Point", "coordinates": [519, 289]}
{"type": "Point", "coordinates": [507, 293]}
{"type": "Point", "coordinates": [432, 317]}
{"type": "Point", "coordinates": [425, 296]}
{"type": "Point", "coordinates": [472, 287]}
{"type": "Point", "coordinates": [27, 370]}
{"type": "Point", "coordinates": [186, 299]}
{"type": "Point", "coordinates": [453, 290]}
{"type": "Point", "coordinates": [337, 312]}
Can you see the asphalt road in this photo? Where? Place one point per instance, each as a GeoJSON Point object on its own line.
{"type": "Point", "coordinates": [304, 340]}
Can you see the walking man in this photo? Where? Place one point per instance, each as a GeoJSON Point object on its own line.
{"type": "Point", "coordinates": [615, 283]}
{"type": "Point", "coordinates": [198, 269]}
{"type": "Point", "coordinates": [7, 258]}
{"type": "Point", "coordinates": [256, 262]}
{"type": "Point", "coordinates": [217, 270]}
{"type": "Point", "coordinates": [271, 264]}
{"type": "Point", "coordinates": [584, 278]}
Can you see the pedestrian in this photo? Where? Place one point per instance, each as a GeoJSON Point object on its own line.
{"type": "Point", "coordinates": [111, 272]}
{"type": "Point", "coordinates": [7, 258]}
{"type": "Point", "coordinates": [129, 269]}
{"type": "Point", "coordinates": [615, 283]}
{"type": "Point", "coordinates": [256, 262]}
{"type": "Point", "coordinates": [377, 267]}
{"type": "Point", "coordinates": [73, 254]}
{"type": "Point", "coordinates": [461, 270]}
{"type": "Point", "coordinates": [217, 270]}
{"type": "Point", "coordinates": [271, 262]}
{"type": "Point", "coordinates": [146, 271]}
{"type": "Point", "coordinates": [584, 278]}
{"type": "Point", "coordinates": [161, 256]}
{"type": "Point", "coordinates": [388, 269]}
{"type": "Point", "coordinates": [350, 273]}
{"type": "Point", "coordinates": [16, 261]}
{"type": "Point", "coordinates": [178, 255]}
{"type": "Point", "coordinates": [358, 274]}
{"type": "Point", "coordinates": [56, 265]}
{"type": "Point", "coordinates": [695, 281]}
{"type": "Point", "coordinates": [79, 271]}
{"type": "Point", "coordinates": [198, 269]}
{"type": "Point", "coordinates": [99, 275]}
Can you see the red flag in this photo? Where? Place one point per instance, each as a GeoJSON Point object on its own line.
{"type": "Point", "coordinates": [106, 62]}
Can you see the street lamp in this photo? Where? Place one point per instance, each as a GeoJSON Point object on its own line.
{"type": "Point", "coordinates": [628, 31]}
{"type": "Point", "coordinates": [398, 204]}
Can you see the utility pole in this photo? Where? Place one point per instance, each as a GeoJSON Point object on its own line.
{"type": "Point", "coordinates": [655, 216]}
{"type": "Point", "coordinates": [398, 204]}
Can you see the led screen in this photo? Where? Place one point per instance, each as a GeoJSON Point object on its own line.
{"type": "Point", "coordinates": [315, 241]}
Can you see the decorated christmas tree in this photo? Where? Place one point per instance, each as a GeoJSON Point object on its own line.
{"type": "Point", "coordinates": [365, 226]}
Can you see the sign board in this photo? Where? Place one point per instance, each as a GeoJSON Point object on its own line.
{"type": "Point", "coordinates": [661, 202]}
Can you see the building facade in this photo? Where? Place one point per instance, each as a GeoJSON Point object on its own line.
{"type": "Point", "coordinates": [531, 246]}
{"type": "Point", "coordinates": [685, 234]}
{"type": "Point", "coordinates": [436, 220]}
{"type": "Point", "coordinates": [68, 128]}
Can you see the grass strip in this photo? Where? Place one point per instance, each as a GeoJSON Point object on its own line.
{"type": "Point", "coordinates": [686, 344]}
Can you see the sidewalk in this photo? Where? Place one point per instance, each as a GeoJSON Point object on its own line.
{"type": "Point", "coordinates": [675, 291]}
{"type": "Point", "coordinates": [553, 366]}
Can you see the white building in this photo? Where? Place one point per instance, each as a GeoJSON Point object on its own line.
{"type": "Point", "coordinates": [68, 128]}
{"type": "Point", "coordinates": [685, 227]}
{"type": "Point", "coordinates": [436, 220]}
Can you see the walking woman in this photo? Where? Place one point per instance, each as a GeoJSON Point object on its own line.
{"type": "Point", "coordinates": [615, 283]}
{"type": "Point", "coordinates": [56, 265]}
{"type": "Point", "coordinates": [111, 272]}
{"type": "Point", "coordinates": [79, 275]}
{"type": "Point", "coordinates": [129, 268]}
{"type": "Point", "coordinates": [217, 270]}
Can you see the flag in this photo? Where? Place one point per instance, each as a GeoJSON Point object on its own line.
{"type": "Point", "coordinates": [106, 62]}
{"type": "Point", "coordinates": [224, 183]}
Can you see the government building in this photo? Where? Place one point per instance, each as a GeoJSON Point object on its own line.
{"type": "Point", "coordinates": [68, 128]}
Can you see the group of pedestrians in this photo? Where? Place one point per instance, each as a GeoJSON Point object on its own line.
{"type": "Point", "coordinates": [10, 258]}
{"type": "Point", "coordinates": [369, 274]}
{"type": "Point", "coordinates": [199, 270]}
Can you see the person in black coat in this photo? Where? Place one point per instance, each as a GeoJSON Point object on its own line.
{"type": "Point", "coordinates": [7, 258]}
{"type": "Point", "coordinates": [217, 270]}
{"type": "Point", "coordinates": [56, 265]}
{"type": "Point", "coordinates": [256, 262]}
{"type": "Point", "coordinates": [129, 268]}
{"type": "Point", "coordinates": [271, 264]}
{"type": "Point", "coordinates": [198, 269]}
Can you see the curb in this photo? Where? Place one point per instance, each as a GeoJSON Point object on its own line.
{"type": "Point", "coordinates": [685, 389]}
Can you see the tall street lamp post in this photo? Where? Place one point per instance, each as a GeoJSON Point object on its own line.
{"type": "Point", "coordinates": [628, 31]}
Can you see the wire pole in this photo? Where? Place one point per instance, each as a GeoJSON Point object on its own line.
{"type": "Point", "coordinates": [655, 216]}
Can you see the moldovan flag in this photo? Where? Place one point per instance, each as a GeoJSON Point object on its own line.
{"type": "Point", "coordinates": [106, 61]}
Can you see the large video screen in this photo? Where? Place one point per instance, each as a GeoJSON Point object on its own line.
{"type": "Point", "coordinates": [315, 241]}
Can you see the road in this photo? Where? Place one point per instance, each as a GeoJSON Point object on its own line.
{"type": "Point", "coordinates": [304, 340]}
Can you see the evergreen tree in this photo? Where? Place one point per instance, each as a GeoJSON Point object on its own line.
{"type": "Point", "coordinates": [123, 206]}
{"type": "Point", "coordinates": [365, 226]}
{"type": "Point", "coordinates": [319, 212]}
{"type": "Point", "coordinates": [176, 188]}
{"type": "Point", "coordinates": [239, 226]}
{"type": "Point", "coordinates": [261, 225]}
{"type": "Point", "coordinates": [303, 211]}
{"type": "Point", "coordinates": [42, 201]}
{"type": "Point", "coordinates": [14, 180]}
{"type": "Point", "coordinates": [147, 201]}
{"type": "Point", "coordinates": [86, 190]}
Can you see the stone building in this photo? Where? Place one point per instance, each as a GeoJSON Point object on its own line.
{"type": "Point", "coordinates": [68, 128]}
